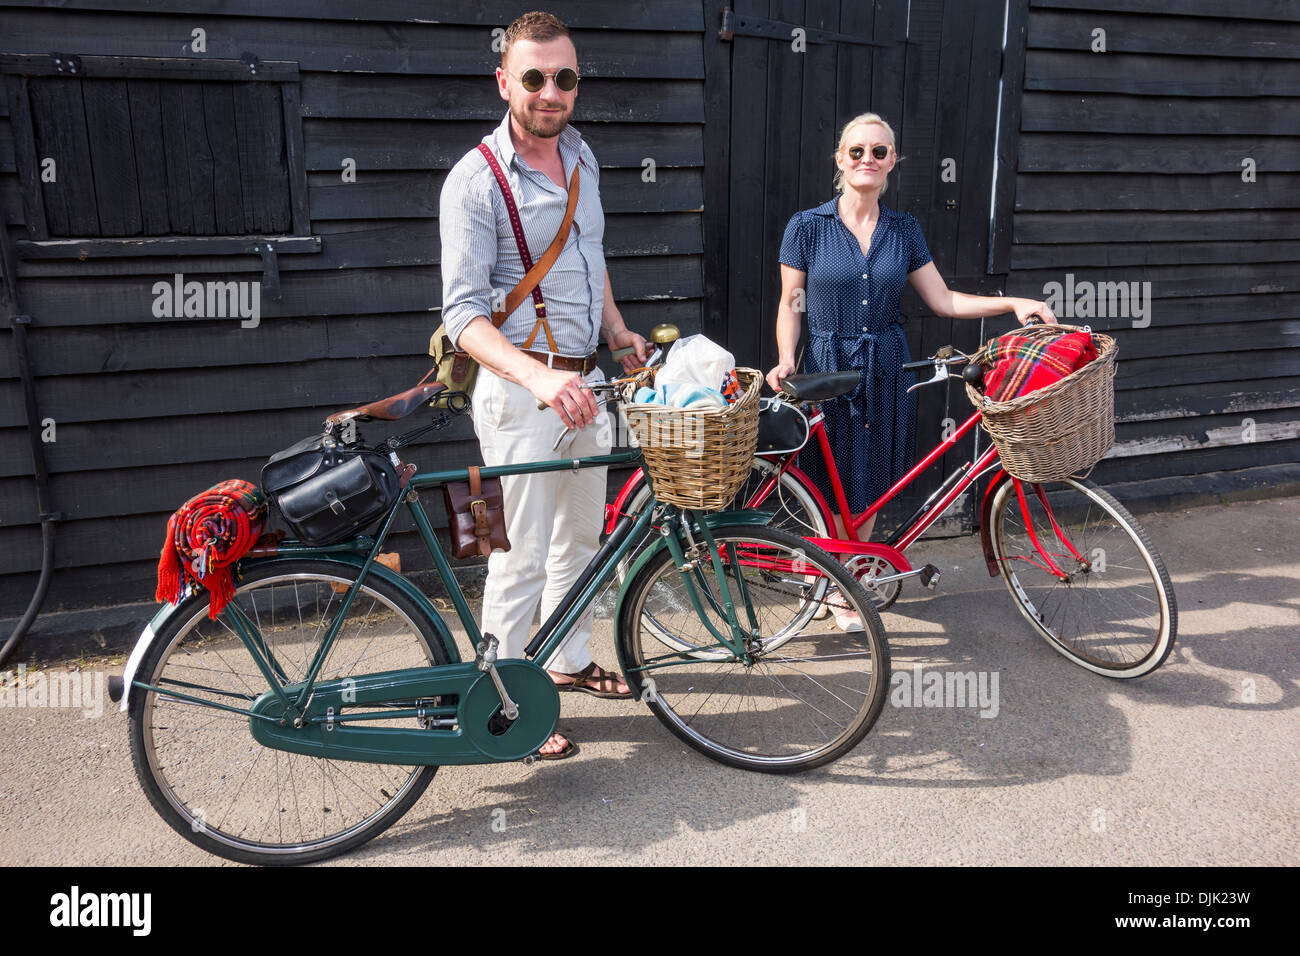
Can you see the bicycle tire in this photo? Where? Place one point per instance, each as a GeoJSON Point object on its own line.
{"type": "Point", "coordinates": [223, 791]}
{"type": "Point", "coordinates": [842, 678]}
{"type": "Point", "coordinates": [1116, 614]}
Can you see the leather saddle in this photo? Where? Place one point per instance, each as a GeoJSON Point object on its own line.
{"type": "Point", "coordinates": [821, 386]}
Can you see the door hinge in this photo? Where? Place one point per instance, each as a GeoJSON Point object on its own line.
{"type": "Point", "coordinates": [744, 25]}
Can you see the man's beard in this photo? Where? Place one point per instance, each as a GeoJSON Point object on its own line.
{"type": "Point", "coordinates": [545, 125]}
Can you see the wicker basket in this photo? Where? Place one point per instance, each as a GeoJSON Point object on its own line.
{"type": "Point", "coordinates": [1057, 431]}
{"type": "Point", "coordinates": [697, 458]}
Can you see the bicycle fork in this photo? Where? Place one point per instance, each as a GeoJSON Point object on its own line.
{"type": "Point", "coordinates": [688, 561]}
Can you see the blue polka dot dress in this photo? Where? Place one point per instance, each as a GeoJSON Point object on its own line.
{"type": "Point", "coordinates": [853, 323]}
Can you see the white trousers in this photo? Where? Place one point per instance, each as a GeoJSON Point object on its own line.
{"type": "Point", "coordinates": [553, 519]}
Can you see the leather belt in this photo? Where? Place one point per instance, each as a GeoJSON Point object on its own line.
{"type": "Point", "coordinates": [564, 362]}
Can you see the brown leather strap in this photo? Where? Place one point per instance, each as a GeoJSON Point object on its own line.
{"type": "Point", "coordinates": [475, 481]}
{"type": "Point", "coordinates": [563, 362]}
{"type": "Point", "coordinates": [543, 265]}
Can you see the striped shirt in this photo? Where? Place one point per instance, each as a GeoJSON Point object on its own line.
{"type": "Point", "coordinates": [480, 261]}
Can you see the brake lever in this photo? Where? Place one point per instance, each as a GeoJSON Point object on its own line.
{"type": "Point", "coordinates": [940, 374]}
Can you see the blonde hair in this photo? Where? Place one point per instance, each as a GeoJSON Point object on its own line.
{"type": "Point", "coordinates": [862, 119]}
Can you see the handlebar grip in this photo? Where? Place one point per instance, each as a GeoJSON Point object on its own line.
{"type": "Point", "coordinates": [917, 366]}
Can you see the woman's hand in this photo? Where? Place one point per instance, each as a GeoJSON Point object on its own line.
{"type": "Point", "coordinates": [782, 371]}
{"type": "Point", "coordinates": [1024, 308]}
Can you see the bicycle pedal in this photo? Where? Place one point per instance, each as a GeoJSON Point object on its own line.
{"type": "Point", "coordinates": [930, 576]}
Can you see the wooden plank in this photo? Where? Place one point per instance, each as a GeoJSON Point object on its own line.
{"type": "Point", "coordinates": [1182, 36]}
{"type": "Point", "coordinates": [1196, 462]}
{"type": "Point", "coordinates": [1009, 137]}
{"type": "Point", "coordinates": [220, 128]}
{"type": "Point", "coordinates": [665, 15]}
{"type": "Point", "coordinates": [1078, 255]}
{"type": "Point", "coordinates": [31, 202]}
{"type": "Point", "coordinates": [121, 348]}
{"type": "Point", "coordinates": [155, 68]}
{"type": "Point", "coordinates": [420, 144]}
{"type": "Point", "coordinates": [200, 165]}
{"type": "Point", "coordinates": [1078, 226]}
{"type": "Point", "coordinates": [1211, 398]}
{"type": "Point", "coordinates": [1195, 369]}
{"type": "Point", "coordinates": [59, 120]}
{"type": "Point", "coordinates": [361, 47]}
{"type": "Point", "coordinates": [263, 168]}
{"type": "Point", "coordinates": [601, 99]}
{"type": "Point", "coordinates": [180, 210]}
{"type": "Point", "coordinates": [342, 244]}
{"type": "Point", "coordinates": [1171, 281]}
{"type": "Point", "coordinates": [86, 251]}
{"type": "Point", "coordinates": [1156, 75]}
{"type": "Point", "coordinates": [112, 156]}
{"type": "Point", "coordinates": [1084, 152]}
{"type": "Point", "coordinates": [975, 174]}
{"type": "Point", "coordinates": [817, 125]}
{"type": "Point", "coordinates": [1210, 431]}
{"type": "Point", "coordinates": [295, 158]}
{"type": "Point", "coordinates": [1098, 113]}
{"type": "Point", "coordinates": [749, 132]}
{"type": "Point", "coordinates": [334, 292]}
{"type": "Point", "coordinates": [1167, 337]}
{"type": "Point", "coordinates": [913, 188]}
{"type": "Point", "coordinates": [411, 194]}
{"type": "Point", "coordinates": [1037, 192]}
{"type": "Point", "coordinates": [1245, 9]}
{"type": "Point", "coordinates": [144, 98]}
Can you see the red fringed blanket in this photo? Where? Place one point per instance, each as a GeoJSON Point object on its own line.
{"type": "Point", "coordinates": [1025, 364]}
{"type": "Point", "coordinates": [205, 537]}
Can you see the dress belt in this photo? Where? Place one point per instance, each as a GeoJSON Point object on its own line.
{"type": "Point", "coordinates": [863, 357]}
{"type": "Point", "coordinates": [565, 363]}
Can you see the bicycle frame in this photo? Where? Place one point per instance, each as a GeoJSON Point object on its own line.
{"type": "Point", "coordinates": [308, 717]}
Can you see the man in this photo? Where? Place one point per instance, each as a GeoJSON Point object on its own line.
{"type": "Point", "coordinates": [552, 520]}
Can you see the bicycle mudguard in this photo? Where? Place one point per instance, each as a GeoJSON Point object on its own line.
{"type": "Point", "coordinates": [473, 731]}
{"type": "Point", "coordinates": [630, 488]}
{"type": "Point", "coordinates": [986, 540]}
{"type": "Point", "coordinates": [353, 559]}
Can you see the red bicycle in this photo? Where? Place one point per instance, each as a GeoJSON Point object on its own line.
{"type": "Point", "coordinates": [1079, 567]}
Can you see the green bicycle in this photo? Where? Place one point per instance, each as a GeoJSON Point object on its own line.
{"type": "Point", "coordinates": [313, 712]}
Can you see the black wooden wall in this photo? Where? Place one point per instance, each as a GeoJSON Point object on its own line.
{"type": "Point", "coordinates": [1131, 169]}
{"type": "Point", "coordinates": [150, 411]}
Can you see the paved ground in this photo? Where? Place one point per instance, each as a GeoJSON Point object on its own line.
{"type": "Point", "coordinates": [1195, 764]}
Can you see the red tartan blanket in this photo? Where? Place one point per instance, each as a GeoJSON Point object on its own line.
{"type": "Point", "coordinates": [205, 537]}
{"type": "Point", "coordinates": [1025, 364]}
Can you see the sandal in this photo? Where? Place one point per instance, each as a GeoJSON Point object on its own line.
{"type": "Point", "coordinates": [569, 750]}
{"type": "Point", "coordinates": [592, 680]}
{"type": "Point", "coordinates": [846, 618]}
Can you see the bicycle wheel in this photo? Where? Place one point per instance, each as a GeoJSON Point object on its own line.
{"type": "Point", "coordinates": [1114, 613]}
{"type": "Point", "coordinates": [201, 768]}
{"type": "Point", "coordinates": [806, 695]}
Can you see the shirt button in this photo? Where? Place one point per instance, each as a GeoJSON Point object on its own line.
{"type": "Point", "coordinates": [864, 275]}
{"type": "Point", "coordinates": [864, 302]}
{"type": "Point", "coordinates": [864, 328]}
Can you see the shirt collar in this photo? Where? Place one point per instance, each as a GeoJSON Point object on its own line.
{"type": "Point", "coordinates": [831, 207]}
{"type": "Point", "coordinates": [570, 145]}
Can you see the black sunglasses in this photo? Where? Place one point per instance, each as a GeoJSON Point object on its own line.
{"type": "Point", "coordinates": [857, 152]}
{"type": "Point", "coordinates": [534, 79]}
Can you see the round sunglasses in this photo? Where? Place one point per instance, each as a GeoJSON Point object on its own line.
{"type": "Point", "coordinates": [566, 79]}
{"type": "Point", "coordinates": [857, 152]}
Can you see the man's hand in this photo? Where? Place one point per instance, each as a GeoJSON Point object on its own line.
{"type": "Point", "coordinates": [566, 393]}
{"type": "Point", "coordinates": [626, 338]}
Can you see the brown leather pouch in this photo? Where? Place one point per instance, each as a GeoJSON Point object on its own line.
{"type": "Point", "coordinates": [476, 516]}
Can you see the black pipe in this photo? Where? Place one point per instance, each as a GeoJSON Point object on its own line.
{"type": "Point", "coordinates": [19, 325]}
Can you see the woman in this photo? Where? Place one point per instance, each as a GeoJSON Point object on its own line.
{"type": "Point", "coordinates": [845, 263]}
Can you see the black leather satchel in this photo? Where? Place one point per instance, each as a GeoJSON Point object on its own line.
{"type": "Point", "coordinates": [327, 490]}
{"type": "Point", "coordinates": [782, 427]}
